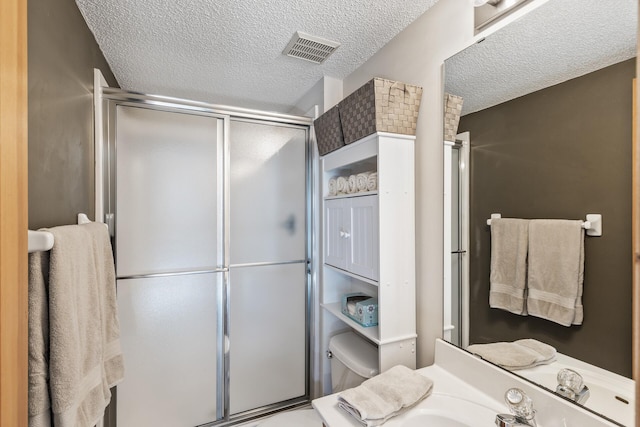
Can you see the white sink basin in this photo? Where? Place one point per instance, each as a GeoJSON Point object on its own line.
{"type": "Point", "coordinates": [468, 392]}
{"type": "Point", "coordinates": [443, 410]}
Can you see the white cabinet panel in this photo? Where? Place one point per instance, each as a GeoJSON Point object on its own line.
{"type": "Point", "coordinates": [363, 259]}
{"type": "Point", "coordinates": [351, 235]}
{"type": "Point", "coordinates": [170, 345]}
{"type": "Point", "coordinates": [336, 216]}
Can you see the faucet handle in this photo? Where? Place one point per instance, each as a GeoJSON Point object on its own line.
{"type": "Point", "coordinates": [519, 403]}
{"type": "Point", "coordinates": [570, 379]}
{"type": "Point", "coordinates": [571, 385]}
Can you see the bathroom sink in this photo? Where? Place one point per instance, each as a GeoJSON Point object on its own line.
{"type": "Point", "coordinates": [443, 410]}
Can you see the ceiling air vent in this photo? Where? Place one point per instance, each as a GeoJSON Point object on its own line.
{"type": "Point", "coordinates": [310, 48]}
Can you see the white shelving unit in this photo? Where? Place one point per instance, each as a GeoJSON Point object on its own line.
{"type": "Point", "coordinates": [369, 247]}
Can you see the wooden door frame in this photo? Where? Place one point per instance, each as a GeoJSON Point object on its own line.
{"type": "Point", "coordinates": [13, 213]}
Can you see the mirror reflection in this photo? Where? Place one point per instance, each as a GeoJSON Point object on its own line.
{"type": "Point", "coordinates": [546, 134]}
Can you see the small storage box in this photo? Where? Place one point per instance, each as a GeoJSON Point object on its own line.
{"type": "Point", "coordinates": [380, 105]}
{"type": "Point", "coordinates": [329, 131]}
{"type": "Point", "coordinates": [360, 307]}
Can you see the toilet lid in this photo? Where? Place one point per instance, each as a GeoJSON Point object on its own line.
{"type": "Point", "coordinates": [298, 418]}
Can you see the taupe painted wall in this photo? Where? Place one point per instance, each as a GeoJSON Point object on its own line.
{"type": "Point", "coordinates": [562, 152]}
{"type": "Point", "coordinates": [62, 56]}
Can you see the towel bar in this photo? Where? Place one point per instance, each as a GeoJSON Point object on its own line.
{"type": "Point", "coordinates": [39, 241]}
{"type": "Point", "coordinates": [592, 225]}
{"type": "Point", "coordinates": [43, 240]}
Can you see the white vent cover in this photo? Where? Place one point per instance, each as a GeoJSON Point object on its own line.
{"type": "Point", "coordinates": [310, 48]}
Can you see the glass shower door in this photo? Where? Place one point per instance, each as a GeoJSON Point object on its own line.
{"type": "Point", "coordinates": [268, 278]}
{"type": "Point", "coordinates": [169, 266]}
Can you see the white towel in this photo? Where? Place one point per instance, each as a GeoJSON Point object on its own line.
{"type": "Point", "coordinates": [508, 278]}
{"type": "Point", "coordinates": [362, 181]}
{"type": "Point", "coordinates": [333, 187]}
{"type": "Point", "coordinates": [521, 354]}
{"type": "Point", "coordinates": [384, 396]}
{"type": "Point", "coordinates": [372, 183]}
{"type": "Point", "coordinates": [39, 401]}
{"type": "Point", "coordinates": [351, 184]}
{"type": "Point", "coordinates": [341, 185]}
{"type": "Point", "coordinates": [556, 270]}
{"type": "Point", "coordinates": [85, 359]}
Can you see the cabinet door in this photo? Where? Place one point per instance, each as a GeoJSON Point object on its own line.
{"type": "Point", "coordinates": [336, 231]}
{"type": "Point", "coordinates": [363, 255]}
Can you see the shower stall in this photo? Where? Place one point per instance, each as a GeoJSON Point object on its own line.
{"type": "Point", "coordinates": [209, 211]}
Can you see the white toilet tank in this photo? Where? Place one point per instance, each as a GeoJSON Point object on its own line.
{"type": "Point", "coordinates": [354, 360]}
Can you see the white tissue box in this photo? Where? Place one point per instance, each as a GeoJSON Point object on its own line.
{"type": "Point", "coordinates": [360, 307]}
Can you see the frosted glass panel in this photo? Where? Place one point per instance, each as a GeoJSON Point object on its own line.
{"type": "Point", "coordinates": [170, 345]}
{"type": "Point", "coordinates": [168, 192]}
{"type": "Point", "coordinates": [267, 335]}
{"type": "Point", "coordinates": [268, 187]}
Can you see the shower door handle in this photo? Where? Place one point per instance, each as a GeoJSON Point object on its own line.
{"type": "Point", "coordinates": [289, 224]}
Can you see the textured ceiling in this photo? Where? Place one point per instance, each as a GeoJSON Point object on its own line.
{"type": "Point", "coordinates": [560, 40]}
{"type": "Point", "coordinates": [230, 51]}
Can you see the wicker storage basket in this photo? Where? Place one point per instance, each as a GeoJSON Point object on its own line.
{"type": "Point", "coordinates": [452, 110]}
{"type": "Point", "coordinates": [380, 106]}
{"type": "Point", "coordinates": [328, 131]}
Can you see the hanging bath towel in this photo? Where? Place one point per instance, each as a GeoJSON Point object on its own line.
{"type": "Point", "coordinates": [556, 270]}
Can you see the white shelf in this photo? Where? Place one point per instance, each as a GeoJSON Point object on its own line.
{"type": "Point", "coordinates": [370, 332]}
{"type": "Point", "coordinates": [358, 194]}
{"type": "Point", "coordinates": [350, 274]}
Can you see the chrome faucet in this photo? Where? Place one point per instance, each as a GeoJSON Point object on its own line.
{"type": "Point", "coordinates": [521, 407]}
{"type": "Point", "coordinates": [571, 386]}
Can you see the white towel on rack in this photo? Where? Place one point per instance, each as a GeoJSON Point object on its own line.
{"type": "Point", "coordinates": [508, 277]}
{"type": "Point", "coordinates": [372, 183]}
{"type": "Point", "coordinates": [556, 270]}
{"type": "Point", "coordinates": [341, 185]}
{"type": "Point", "coordinates": [352, 186]}
{"type": "Point", "coordinates": [85, 359]}
{"type": "Point", "coordinates": [39, 401]}
{"type": "Point", "coordinates": [362, 181]}
{"type": "Point", "coordinates": [333, 187]}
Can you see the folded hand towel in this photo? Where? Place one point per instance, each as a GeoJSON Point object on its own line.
{"type": "Point", "coordinates": [362, 179]}
{"type": "Point", "coordinates": [84, 349]}
{"type": "Point", "coordinates": [333, 187]}
{"type": "Point", "coordinates": [351, 184]}
{"type": "Point", "coordinates": [384, 396]}
{"type": "Point", "coordinates": [556, 270]}
{"type": "Point", "coordinates": [545, 350]}
{"type": "Point", "coordinates": [509, 240]}
{"type": "Point", "coordinates": [521, 354]}
{"type": "Point", "coordinates": [341, 185]}
{"type": "Point", "coordinates": [372, 183]}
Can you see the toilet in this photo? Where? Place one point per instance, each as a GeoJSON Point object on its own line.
{"type": "Point", "coordinates": [353, 360]}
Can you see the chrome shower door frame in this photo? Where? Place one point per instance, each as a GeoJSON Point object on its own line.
{"type": "Point", "coordinates": [109, 99]}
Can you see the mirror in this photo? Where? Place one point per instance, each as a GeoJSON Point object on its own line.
{"type": "Point", "coordinates": [546, 133]}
